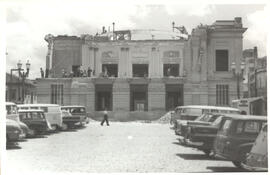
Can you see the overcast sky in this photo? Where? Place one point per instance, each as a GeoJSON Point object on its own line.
{"type": "Point", "coordinates": [28, 23]}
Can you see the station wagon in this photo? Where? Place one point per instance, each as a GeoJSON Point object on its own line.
{"type": "Point", "coordinates": [35, 120]}
{"type": "Point", "coordinates": [183, 114]}
{"type": "Point", "coordinates": [236, 135]}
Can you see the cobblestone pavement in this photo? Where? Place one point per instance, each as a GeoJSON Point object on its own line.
{"type": "Point", "coordinates": [121, 147]}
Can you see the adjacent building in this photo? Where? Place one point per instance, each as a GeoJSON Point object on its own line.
{"type": "Point", "coordinates": [16, 88]}
{"type": "Point", "coordinates": [141, 74]}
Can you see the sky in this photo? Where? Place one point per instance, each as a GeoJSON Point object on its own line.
{"type": "Point", "coordinates": [27, 22]}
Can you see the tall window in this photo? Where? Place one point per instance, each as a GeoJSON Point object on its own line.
{"type": "Point", "coordinates": [138, 97]}
{"type": "Point", "coordinates": [103, 97]}
{"type": "Point", "coordinates": [110, 70]}
{"type": "Point", "coordinates": [171, 70]}
{"type": "Point", "coordinates": [57, 94]}
{"type": "Point", "coordinates": [140, 70]}
{"type": "Point", "coordinates": [222, 60]}
{"type": "Point", "coordinates": [222, 95]}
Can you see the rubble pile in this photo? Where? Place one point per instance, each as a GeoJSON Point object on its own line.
{"type": "Point", "coordinates": [165, 119]}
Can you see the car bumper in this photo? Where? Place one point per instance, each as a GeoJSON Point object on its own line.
{"type": "Point", "coordinates": [250, 168]}
{"type": "Point", "coordinates": [13, 136]}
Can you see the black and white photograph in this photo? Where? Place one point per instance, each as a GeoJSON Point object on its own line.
{"type": "Point", "coordinates": [128, 87]}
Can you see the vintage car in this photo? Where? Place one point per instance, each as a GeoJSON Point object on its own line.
{"type": "Point", "coordinates": [191, 112]}
{"type": "Point", "coordinates": [13, 131]}
{"type": "Point", "coordinates": [12, 114]}
{"type": "Point", "coordinates": [52, 113]}
{"type": "Point", "coordinates": [202, 136]}
{"type": "Point", "coordinates": [35, 120]}
{"type": "Point", "coordinates": [183, 114]}
{"type": "Point", "coordinates": [257, 159]}
{"type": "Point", "coordinates": [79, 115]}
{"type": "Point", "coordinates": [68, 120]}
{"type": "Point", "coordinates": [25, 129]}
{"type": "Point", "coordinates": [236, 136]}
{"type": "Point", "coordinates": [204, 119]}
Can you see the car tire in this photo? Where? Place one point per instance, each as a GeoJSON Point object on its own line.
{"type": "Point", "coordinates": [64, 127]}
{"type": "Point", "coordinates": [237, 164]}
{"type": "Point", "coordinates": [54, 127]}
{"type": "Point", "coordinates": [207, 152]}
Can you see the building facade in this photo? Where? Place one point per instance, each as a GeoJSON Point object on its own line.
{"type": "Point", "coordinates": [16, 89]}
{"type": "Point", "coordinates": [143, 78]}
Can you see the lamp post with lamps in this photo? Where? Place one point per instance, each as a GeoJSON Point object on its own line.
{"type": "Point", "coordinates": [23, 75]}
{"type": "Point", "coordinates": [238, 75]}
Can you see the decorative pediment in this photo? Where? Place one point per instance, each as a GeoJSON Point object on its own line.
{"type": "Point", "coordinates": [109, 54]}
{"type": "Point", "coordinates": [140, 52]}
{"type": "Point", "coordinates": [171, 54]}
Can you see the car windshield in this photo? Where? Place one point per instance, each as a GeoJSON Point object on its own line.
{"type": "Point", "coordinates": [77, 110]}
{"type": "Point", "coordinates": [191, 111]}
{"type": "Point", "coordinates": [248, 127]}
{"type": "Point", "coordinates": [188, 117]}
{"type": "Point", "coordinates": [225, 127]}
{"type": "Point", "coordinates": [217, 121]}
{"type": "Point", "coordinates": [11, 109]}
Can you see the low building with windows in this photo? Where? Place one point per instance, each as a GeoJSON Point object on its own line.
{"type": "Point", "coordinates": [141, 74]}
{"type": "Point", "coordinates": [16, 88]}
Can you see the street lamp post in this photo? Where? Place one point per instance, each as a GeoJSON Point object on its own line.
{"type": "Point", "coordinates": [23, 75]}
{"type": "Point", "coordinates": [238, 75]}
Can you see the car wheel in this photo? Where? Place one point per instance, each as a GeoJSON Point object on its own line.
{"type": "Point", "coordinates": [237, 164]}
{"type": "Point", "coordinates": [32, 132]}
{"type": "Point", "coordinates": [54, 127]}
{"type": "Point", "coordinates": [207, 152]}
{"type": "Point", "coordinates": [64, 127]}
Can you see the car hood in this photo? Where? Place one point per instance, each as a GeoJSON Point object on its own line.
{"type": "Point", "coordinates": [198, 123]}
{"type": "Point", "coordinates": [11, 123]}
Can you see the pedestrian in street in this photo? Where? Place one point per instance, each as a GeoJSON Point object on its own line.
{"type": "Point", "coordinates": [105, 118]}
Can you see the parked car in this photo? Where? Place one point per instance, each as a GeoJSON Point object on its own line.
{"type": "Point", "coordinates": [192, 112]}
{"type": "Point", "coordinates": [78, 114]}
{"type": "Point", "coordinates": [204, 119]}
{"type": "Point", "coordinates": [13, 131]}
{"type": "Point", "coordinates": [12, 114]}
{"type": "Point", "coordinates": [52, 113]}
{"type": "Point", "coordinates": [35, 120]}
{"type": "Point", "coordinates": [236, 136]}
{"type": "Point", "coordinates": [202, 136]}
{"type": "Point", "coordinates": [68, 120]}
{"type": "Point", "coordinates": [257, 159]}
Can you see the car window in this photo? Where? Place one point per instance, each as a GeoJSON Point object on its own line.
{"type": "Point", "coordinates": [34, 115]}
{"type": "Point", "coordinates": [24, 108]}
{"type": "Point", "coordinates": [214, 110]}
{"type": "Point", "coordinates": [205, 111]}
{"type": "Point", "coordinates": [226, 126]}
{"type": "Point", "coordinates": [191, 111]}
{"type": "Point", "coordinates": [265, 128]}
{"type": "Point", "coordinates": [24, 116]}
{"type": "Point", "coordinates": [217, 121]}
{"type": "Point", "coordinates": [239, 127]}
{"type": "Point", "coordinates": [11, 109]}
{"type": "Point", "coordinates": [33, 107]}
{"type": "Point", "coordinates": [45, 109]}
{"type": "Point", "coordinates": [252, 127]}
{"type": "Point", "coordinates": [213, 118]}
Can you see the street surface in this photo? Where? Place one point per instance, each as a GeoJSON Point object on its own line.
{"type": "Point", "coordinates": [120, 147]}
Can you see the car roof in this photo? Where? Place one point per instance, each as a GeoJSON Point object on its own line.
{"type": "Point", "coordinates": [10, 103]}
{"type": "Point", "coordinates": [209, 107]}
{"type": "Point", "coordinates": [73, 106]}
{"type": "Point", "coordinates": [37, 105]}
{"type": "Point", "coordinates": [30, 110]}
{"type": "Point", "coordinates": [245, 117]}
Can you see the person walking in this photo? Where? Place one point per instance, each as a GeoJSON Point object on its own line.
{"type": "Point", "coordinates": [105, 118]}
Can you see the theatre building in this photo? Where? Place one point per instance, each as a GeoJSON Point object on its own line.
{"type": "Point", "coordinates": [141, 74]}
